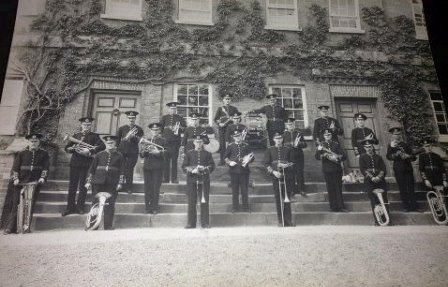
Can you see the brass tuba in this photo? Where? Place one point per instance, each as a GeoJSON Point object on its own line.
{"type": "Point", "coordinates": [437, 205]}
{"type": "Point", "coordinates": [380, 210]}
{"type": "Point", "coordinates": [25, 206]}
{"type": "Point", "coordinates": [96, 214]}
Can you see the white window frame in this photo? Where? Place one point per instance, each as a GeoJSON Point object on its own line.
{"type": "Point", "coordinates": [210, 98]}
{"type": "Point", "coordinates": [302, 92]}
{"type": "Point", "coordinates": [420, 30]}
{"type": "Point", "coordinates": [293, 26]}
{"type": "Point", "coordinates": [442, 137]}
{"type": "Point", "coordinates": [345, 29]}
{"type": "Point", "coordinates": [181, 19]}
{"type": "Point", "coordinates": [122, 16]}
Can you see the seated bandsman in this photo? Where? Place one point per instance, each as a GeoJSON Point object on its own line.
{"type": "Point", "coordinates": [431, 166]}
{"type": "Point", "coordinates": [30, 165]}
{"type": "Point", "coordinates": [153, 151]}
{"type": "Point", "coordinates": [294, 139]}
{"type": "Point", "coordinates": [330, 153]}
{"type": "Point", "coordinates": [191, 132]}
{"type": "Point", "coordinates": [198, 164]}
{"type": "Point", "coordinates": [106, 174]}
{"type": "Point", "coordinates": [373, 169]}
{"type": "Point", "coordinates": [238, 156]}
{"type": "Point", "coordinates": [278, 160]}
{"type": "Point", "coordinates": [361, 133]}
{"type": "Point", "coordinates": [235, 126]}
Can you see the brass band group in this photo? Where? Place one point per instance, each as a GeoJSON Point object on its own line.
{"type": "Point", "coordinates": [106, 165]}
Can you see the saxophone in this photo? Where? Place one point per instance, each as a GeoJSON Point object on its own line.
{"type": "Point", "coordinates": [95, 216]}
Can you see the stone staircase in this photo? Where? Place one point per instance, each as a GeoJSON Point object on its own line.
{"type": "Point", "coordinates": [310, 210]}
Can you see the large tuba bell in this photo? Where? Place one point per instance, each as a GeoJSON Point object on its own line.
{"type": "Point", "coordinates": [436, 201]}
{"type": "Point", "coordinates": [95, 216]}
{"type": "Point", "coordinates": [25, 206]}
{"type": "Point", "coordinates": [380, 210]}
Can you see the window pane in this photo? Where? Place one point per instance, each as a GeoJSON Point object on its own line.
{"type": "Point", "coordinates": [276, 91]}
{"type": "Point", "coordinates": [287, 103]}
{"type": "Point", "coordinates": [443, 129]}
{"type": "Point", "coordinates": [192, 90]}
{"type": "Point", "coordinates": [182, 100]}
{"type": "Point", "coordinates": [440, 118]}
{"type": "Point", "coordinates": [438, 107]}
{"type": "Point", "coordinates": [436, 96]}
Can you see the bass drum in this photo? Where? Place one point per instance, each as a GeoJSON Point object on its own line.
{"type": "Point", "coordinates": [213, 146]}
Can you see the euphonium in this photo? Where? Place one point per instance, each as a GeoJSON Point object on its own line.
{"type": "Point", "coordinates": [436, 201]}
{"type": "Point", "coordinates": [25, 206]}
{"type": "Point", "coordinates": [380, 210]}
{"type": "Point", "coordinates": [95, 216]}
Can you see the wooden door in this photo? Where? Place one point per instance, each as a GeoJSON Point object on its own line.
{"type": "Point", "coordinates": [346, 109]}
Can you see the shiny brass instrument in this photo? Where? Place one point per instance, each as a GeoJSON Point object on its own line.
{"type": "Point", "coordinates": [96, 214]}
{"type": "Point", "coordinates": [380, 210]}
{"type": "Point", "coordinates": [244, 134]}
{"type": "Point", "coordinates": [150, 146]}
{"type": "Point", "coordinates": [297, 139]}
{"type": "Point", "coordinates": [80, 145]}
{"type": "Point", "coordinates": [175, 128]}
{"type": "Point", "coordinates": [281, 181]}
{"type": "Point", "coordinates": [25, 206]}
{"type": "Point", "coordinates": [334, 157]}
{"type": "Point", "coordinates": [247, 158]}
{"type": "Point", "coordinates": [131, 133]}
{"type": "Point", "coordinates": [436, 201]}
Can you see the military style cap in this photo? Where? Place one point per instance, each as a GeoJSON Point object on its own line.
{"type": "Point", "coordinates": [172, 104]}
{"type": "Point", "coordinates": [367, 143]}
{"type": "Point", "coordinates": [194, 116]}
{"type": "Point", "coordinates": [290, 120]}
{"type": "Point", "coordinates": [278, 136]}
{"type": "Point", "coordinates": [271, 96]}
{"type": "Point", "coordinates": [34, 136]}
{"type": "Point", "coordinates": [236, 115]}
{"type": "Point", "coordinates": [395, 131]}
{"type": "Point", "coordinates": [154, 126]}
{"type": "Point", "coordinates": [203, 138]}
{"type": "Point", "coordinates": [131, 114]}
{"type": "Point", "coordinates": [110, 138]}
{"type": "Point", "coordinates": [227, 96]}
{"type": "Point", "coordinates": [326, 132]}
{"type": "Point", "coordinates": [236, 133]}
{"type": "Point", "coordinates": [323, 107]}
{"type": "Point", "coordinates": [360, 116]}
{"type": "Point", "coordinates": [86, 120]}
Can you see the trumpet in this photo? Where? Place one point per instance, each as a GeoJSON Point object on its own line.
{"type": "Point", "coordinates": [437, 205]}
{"type": "Point", "coordinates": [175, 128]}
{"type": "Point", "coordinates": [131, 133]}
{"type": "Point", "coordinates": [380, 210]}
{"type": "Point", "coordinates": [297, 139]}
{"type": "Point", "coordinates": [96, 214]}
{"type": "Point", "coordinates": [247, 158]}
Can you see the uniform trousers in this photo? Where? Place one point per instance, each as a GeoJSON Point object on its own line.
{"type": "Point", "coordinates": [153, 181]}
{"type": "Point", "coordinates": [333, 181]}
{"type": "Point", "coordinates": [130, 160]}
{"type": "Point", "coordinates": [77, 181]}
{"type": "Point", "coordinates": [287, 216]}
{"type": "Point", "coordinates": [109, 208]}
{"type": "Point", "coordinates": [405, 181]}
{"type": "Point", "coordinates": [195, 190]}
{"type": "Point", "coordinates": [240, 183]}
{"type": "Point", "coordinates": [222, 143]}
{"type": "Point", "coordinates": [170, 161]}
{"type": "Point", "coordinates": [299, 178]}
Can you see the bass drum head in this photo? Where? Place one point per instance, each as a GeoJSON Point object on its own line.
{"type": "Point", "coordinates": [213, 146]}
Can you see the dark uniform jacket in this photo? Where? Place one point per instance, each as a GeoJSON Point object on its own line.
{"type": "Point", "coordinates": [231, 129]}
{"type": "Point", "coordinates": [324, 123]}
{"type": "Point", "coordinates": [273, 113]}
{"type": "Point", "coordinates": [192, 159]}
{"type": "Point", "coordinates": [393, 153]}
{"type": "Point", "coordinates": [274, 155]}
{"type": "Point", "coordinates": [358, 135]}
{"type": "Point", "coordinates": [189, 134]}
{"type": "Point", "coordinates": [90, 138]}
{"type": "Point", "coordinates": [129, 146]}
{"type": "Point", "coordinates": [31, 165]}
{"type": "Point", "coordinates": [153, 161]}
{"type": "Point", "coordinates": [168, 122]}
{"type": "Point", "coordinates": [289, 139]}
{"type": "Point", "coordinates": [329, 165]}
{"type": "Point", "coordinates": [431, 168]}
{"type": "Point", "coordinates": [107, 168]}
{"type": "Point", "coordinates": [372, 166]}
{"type": "Point", "coordinates": [225, 113]}
{"type": "Point", "coordinates": [236, 152]}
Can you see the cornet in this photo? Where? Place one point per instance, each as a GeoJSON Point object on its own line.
{"type": "Point", "coordinates": [334, 157]}
{"type": "Point", "coordinates": [380, 210]}
{"type": "Point", "coordinates": [131, 133]}
{"type": "Point", "coordinates": [175, 128]}
{"type": "Point", "coordinates": [80, 145]}
{"type": "Point", "coordinates": [436, 201]}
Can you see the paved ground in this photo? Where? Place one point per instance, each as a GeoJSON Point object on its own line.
{"type": "Point", "coordinates": [259, 256]}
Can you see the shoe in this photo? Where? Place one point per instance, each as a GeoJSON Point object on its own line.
{"type": "Point", "coordinates": [129, 191]}
{"type": "Point", "coordinates": [418, 210]}
{"type": "Point", "coordinates": [246, 209]}
{"type": "Point", "coordinates": [344, 210]}
{"type": "Point", "coordinates": [28, 230]}
{"type": "Point", "coordinates": [155, 212]}
{"type": "Point", "coordinates": [80, 211]}
{"type": "Point", "coordinates": [7, 231]}
{"type": "Point", "coordinates": [190, 226]}
{"type": "Point", "coordinates": [289, 224]}
{"type": "Point", "coordinates": [67, 212]}
{"type": "Point", "coordinates": [205, 226]}
{"type": "Point", "coordinates": [175, 181]}
{"type": "Point", "coordinates": [303, 193]}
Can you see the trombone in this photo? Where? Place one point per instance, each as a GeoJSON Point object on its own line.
{"type": "Point", "coordinates": [281, 181]}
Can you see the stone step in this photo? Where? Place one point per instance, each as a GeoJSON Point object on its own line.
{"type": "Point", "coordinates": [139, 207]}
{"type": "Point", "coordinates": [56, 222]}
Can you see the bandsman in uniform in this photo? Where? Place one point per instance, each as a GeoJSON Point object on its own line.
{"type": "Point", "coordinates": [198, 164]}
{"type": "Point", "coordinates": [153, 151]}
{"type": "Point", "coordinates": [361, 133]}
{"type": "Point", "coordinates": [79, 165]}
{"type": "Point", "coordinates": [373, 169]}
{"type": "Point", "coordinates": [278, 160]}
{"type": "Point", "coordinates": [30, 165]}
{"type": "Point", "coordinates": [294, 139]}
{"type": "Point", "coordinates": [106, 174]}
{"type": "Point", "coordinates": [401, 154]}
{"type": "Point", "coordinates": [431, 166]}
{"type": "Point", "coordinates": [326, 123]}
{"type": "Point", "coordinates": [172, 126]}
{"type": "Point", "coordinates": [223, 118]}
{"type": "Point", "coordinates": [235, 126]}
{"type": "Point", "coordinates": [191, 133]}
{"type": "Point", "coordinates": [128, 138]}
{"type": "Point", "coordinates": [238, 156]}
{"type": "Point", "coordinates": [276, 116]}
{"type": "Point", "coordinates": [332, 155]}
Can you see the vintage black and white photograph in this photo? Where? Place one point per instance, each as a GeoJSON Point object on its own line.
{"type": "Point", "coordinates": [223, 143]}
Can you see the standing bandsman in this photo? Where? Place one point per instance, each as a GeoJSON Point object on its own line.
{"type": "Point", "coordinates": [276, 115]}
{"type": "Point", "coordinates": [431, 166]}
{"type": "Point", "coordinates": [191, 133]}
{"type": "Point", "coordinates": [128, 138]}
{"type": "Point", "coordinates": [326, 123]}
{"type": "Point", "coordinates": [172, 125]}
{"type": "Point", "coordinates": [361, 133]}
{"type": "Point", "coordinates": [153, 151]}
{"type": "Point", "coordinates": [278, 160]}
{"type": "Point", "coordinates": [79, 164]}
{"type": "Point", "coordinates": [373, 169]}
{"type": "Point", "coordinates": [235, 126]}
{"type": "Point", "coordinates": [223, 118]}
{"type": "Point", "coordinates": [238, 156]}
{"type": "Point", "coordinates": [401, 154]}
{"type": "Point", "coordinates": [294, 139]}
{"type": "Point", "coordinates": [106, 174]}
{"type": "Point", "coordinates": [331, 155]}
{"type": "Point", "coordinates": [198, 164]}
{"type": "Point", "coordinates": [30, 165]}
